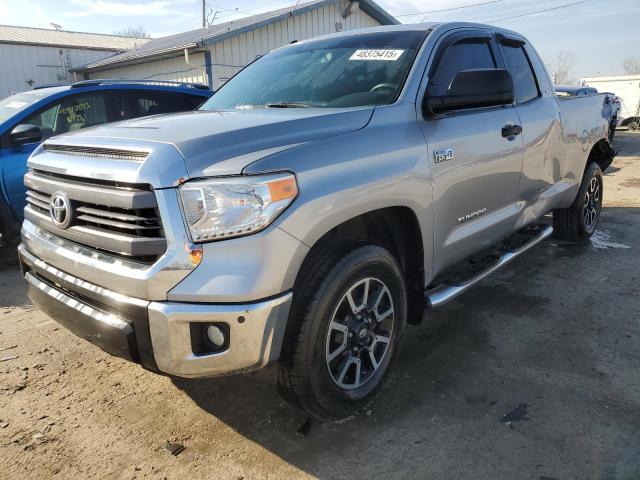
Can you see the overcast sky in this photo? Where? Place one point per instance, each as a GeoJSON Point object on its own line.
{"type": "Point", "coordinates": [601, 33]}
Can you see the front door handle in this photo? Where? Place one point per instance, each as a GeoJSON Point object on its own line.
{"type": "Point", "coordinates": [510, 131]}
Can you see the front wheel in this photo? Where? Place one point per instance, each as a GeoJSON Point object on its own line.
{"type": "Point", "coordinates": [345, 339]}
{"type": "Point", "coordinates": [578, 222]}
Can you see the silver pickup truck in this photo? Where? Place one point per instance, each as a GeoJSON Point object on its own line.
{"type": "Point", "coordinates": [318, 203]}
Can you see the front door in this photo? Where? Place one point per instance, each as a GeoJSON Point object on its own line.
{"type": "Point", "coordinates": [14, 166]}
{"type": "Point", "coordinates": [475, 169]}
{"type": "Point", "coordinates": [68, 114]}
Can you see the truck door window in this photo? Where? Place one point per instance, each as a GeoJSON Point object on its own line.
{"type": "Point", "coordinates": [524, 80]}
{"type": "Point", "coordinates": [466, 54]}
{"type": "Point", "coordinates": [70, 114]}
{"type": "Point", "coordinates": [46, 120]}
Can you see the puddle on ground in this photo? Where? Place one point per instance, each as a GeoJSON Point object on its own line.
{"type": "Point", "coordinates": [600, 240]}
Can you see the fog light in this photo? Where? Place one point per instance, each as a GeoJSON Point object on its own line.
{"type": "Point", "coordinates": [209, 338]}
{"type": "Point", "coordinates": [216, 336]}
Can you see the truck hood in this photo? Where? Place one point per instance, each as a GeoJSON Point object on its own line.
{"type": "Point", "coordinates": [213, 142]}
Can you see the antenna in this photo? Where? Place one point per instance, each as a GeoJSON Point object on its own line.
{"type": "Point", "coordinates": [55, 26]}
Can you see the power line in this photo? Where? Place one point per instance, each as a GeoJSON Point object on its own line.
{"type": "Point", "coordinates": [449, 9]}
{"type": "Point", "coordinates": [538, 11]}
{"type": "Point", "coordinates": [236, 11]}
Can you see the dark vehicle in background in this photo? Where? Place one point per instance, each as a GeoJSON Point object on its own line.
{"type": "Point", "coordinates": [29, 118]}
{"type": "Point", "coordinates": [574, 91]}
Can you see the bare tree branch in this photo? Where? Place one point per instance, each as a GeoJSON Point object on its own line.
{"type": "Point", "coordinates": [133, 32]}
{"type": "Point", "coordinates": [561, 68]}
{"type": "Point", "coordinates": [632, 65]}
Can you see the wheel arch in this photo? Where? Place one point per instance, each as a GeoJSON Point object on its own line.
{"type": "Point", "coordinates": [396, 229]}
{"type": "Point", "coordinates": [601, 153]}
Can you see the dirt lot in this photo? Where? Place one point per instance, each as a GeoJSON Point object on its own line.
{"type": "Point", "coordinates": [535, 374]}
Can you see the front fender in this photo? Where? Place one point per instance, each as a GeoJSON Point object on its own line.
{"type": "Point", "coordinates": [383, 165]}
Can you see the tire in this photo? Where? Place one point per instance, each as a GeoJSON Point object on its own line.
{"type": "Point", "coordinates": [612, 130]}
{"type": "Point", "coordinates": [318, 347]}
{"type": "Point", "coordinates": [9, 228]}
{"type": "Point", "coordinates": [578, 222]}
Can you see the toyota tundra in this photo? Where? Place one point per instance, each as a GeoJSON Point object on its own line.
{"type": "Point", "coordinates": [314, 206]}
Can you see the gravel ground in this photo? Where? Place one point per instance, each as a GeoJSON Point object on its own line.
{"type": "Point", "coordinates": [534, 374]}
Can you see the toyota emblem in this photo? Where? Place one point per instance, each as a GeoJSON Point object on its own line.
{"type": "Point", "coordinates": [60, 210]}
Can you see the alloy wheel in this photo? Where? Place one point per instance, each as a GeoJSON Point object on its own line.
{"type": "Point", "coordinates": [592, 205]}
{"type": "Point", "coordinates": [360, 333]}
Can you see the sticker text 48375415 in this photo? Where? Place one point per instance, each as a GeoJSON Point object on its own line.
{"type": "Point", "coordinates": [379, 55]}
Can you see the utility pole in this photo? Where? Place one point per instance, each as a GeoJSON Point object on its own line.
{"type": "Point", "coordinates": [204, 13]}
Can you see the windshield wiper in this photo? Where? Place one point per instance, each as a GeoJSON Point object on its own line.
{"type": "Point", "coordinates": [275, 105]}
{"type": "Point", "coordinates": [288, 105]}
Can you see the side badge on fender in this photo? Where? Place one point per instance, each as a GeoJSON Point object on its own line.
{"type": "Point", "coordinates": [443, 155]}
{"type": "Point", "coordinates": [471, 216]}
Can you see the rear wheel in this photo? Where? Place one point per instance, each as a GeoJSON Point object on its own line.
{"type": "Point", "coordinates": [612, 130]}
{"type": "Point", "coordinates": [578, 222]}
{"type": "Point", "coordinates": [342, 346]}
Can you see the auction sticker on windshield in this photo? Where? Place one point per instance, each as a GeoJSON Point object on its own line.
{"type": "Point", "coordinates": [380, 55]}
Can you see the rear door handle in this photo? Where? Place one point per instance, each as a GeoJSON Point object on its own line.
{"type": "Point", "coordinates": [510, 131]}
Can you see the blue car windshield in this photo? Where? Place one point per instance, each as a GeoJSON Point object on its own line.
{"type": "Point", "coordinates": [14, 104]}
{"type": "Point", "coordinates": [346, 71]}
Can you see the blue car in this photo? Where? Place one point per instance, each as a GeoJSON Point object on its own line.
{"type": "Point", "coordinates": [29, 118]}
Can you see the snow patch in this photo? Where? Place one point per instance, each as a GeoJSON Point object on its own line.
{"type": "Point", "coordinates": [600, 240]}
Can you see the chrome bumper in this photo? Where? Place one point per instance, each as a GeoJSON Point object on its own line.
{"type": "Point", "coordinates": [256, 332]}
{"type": "Point", "coordinates": [158, 334]}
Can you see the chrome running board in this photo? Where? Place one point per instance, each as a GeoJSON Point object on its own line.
{"type": "Point", "coordinates": [446, 292]}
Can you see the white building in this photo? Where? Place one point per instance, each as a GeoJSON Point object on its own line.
{"type": "Point", "coordinates": [36, 56]}
{"type": "Point", "coordinates": [212, 55]}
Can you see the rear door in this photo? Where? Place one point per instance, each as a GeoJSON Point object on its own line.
{"type": "Point", "coordinates": [542, 133]}
{"type": "Point", "coordinates": [475, 169]}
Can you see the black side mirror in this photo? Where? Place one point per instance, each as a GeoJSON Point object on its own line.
{"type": "Point", "coordinates": [473, 89]}
{"type": "Point", "coordinates": [25, 133]}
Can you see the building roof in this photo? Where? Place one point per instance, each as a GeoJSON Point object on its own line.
{"type": "Point", "coordinates": [66, 39]}
{"type": "Point", "coordinates": [168, 46]}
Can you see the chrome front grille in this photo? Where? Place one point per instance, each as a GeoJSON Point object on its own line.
{"type": "Point", "coordinates": [118, 218]}
{"type": "Point", "coordinates": [117, 153]}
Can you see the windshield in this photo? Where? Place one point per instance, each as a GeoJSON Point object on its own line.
{"type": "Point", "coordinates": [347, 71]}
{"type": "Point", "coordinates": [17, 103]}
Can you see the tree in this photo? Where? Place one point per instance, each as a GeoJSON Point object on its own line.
{"type": "Point", "coordinates": [632, 65]}
{"type": "Point", "coordinates": [133, 32]}
{"type": "Point", "coordinates": [562, 67]}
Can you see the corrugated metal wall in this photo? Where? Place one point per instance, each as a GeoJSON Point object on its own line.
{"type": "Point", "coordinates": [176, 69]}
{"type": "Point", "coordinates": [25, 66]}
{"type": "Point", "coordinates": [230, 55]}
{"type": "Point", "coordinates": [234, 53]}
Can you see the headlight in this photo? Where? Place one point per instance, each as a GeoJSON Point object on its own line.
{"type": "Point", "coordinates": [230, 207]}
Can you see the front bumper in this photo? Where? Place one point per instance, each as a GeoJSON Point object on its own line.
{"type": "Point", "coordinates": [158, 334]}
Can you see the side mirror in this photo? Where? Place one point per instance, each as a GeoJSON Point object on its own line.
{"type": "Point", "coordinates": [25, 133]}
{"type": "Point", "coordinates": [474, 89]}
